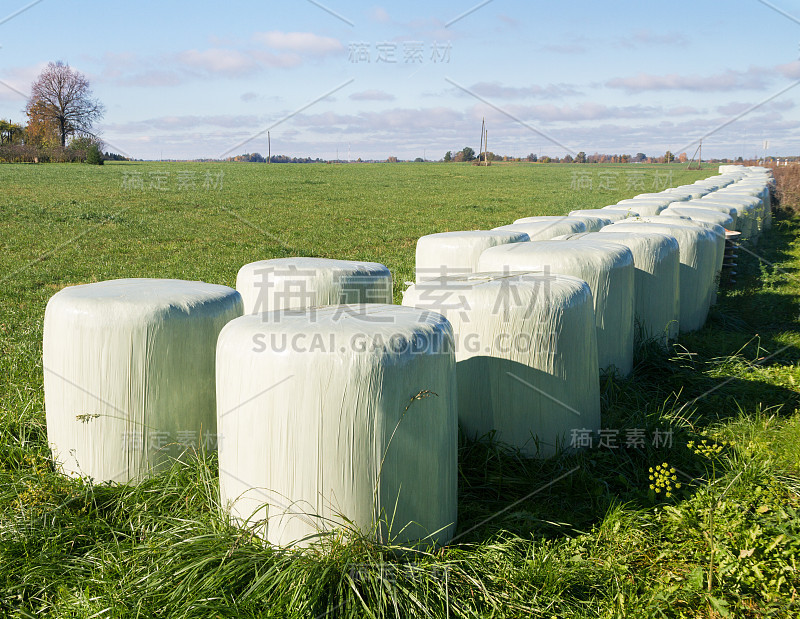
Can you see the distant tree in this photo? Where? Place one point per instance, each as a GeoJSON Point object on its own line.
{"type": "Point", "coordinates": [545, 159]}
{"type": "Point", "coordinates": [468, 153]}
{"type": "Point", "coordinates": [532, 157]}
{"type": "Point", "coordinates": [640, 157]}
{"type": "Point", "coordinates": [10, 131]}
{"type": "Point", "coordinates": [391, 159]}
{"type": "Point", "coordinates": [668, 157]}
{"type": "Point", "coordinates": [739, 160]}
{"type": "Point", "coordinates": [61, 96]}
{"type": "Point", "coordinates": [448, 156]}
{"type": "Point", "coordinates": [419, 160]}
{"type": "Point", "coordinates": [94, 156]}
{"type": "Point", "coordinates": [580, 157]}
{"type": "Point", "coordinates": [682, 157]}
{"type": "Point", "coordinates": [568, 159]}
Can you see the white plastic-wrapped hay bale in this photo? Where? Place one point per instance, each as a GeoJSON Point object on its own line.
{"type": "Point", "coordinates": [339, 414]}
{"type": "Point", "coordinates": [457, 253]}
{"type": "Point", "coordinates": [695, 213]}
{"type": "Point", "coordinates": [698, 261]}
{"type": "Point", "coordinates": [758, 189]}
{"type": "Point", "coordinates": [644, 207]}
{"type": "Point", "coordinates": [129, 373]}
{"type": "Point", "coordinates": [624, 209]}
{"type": "Point", "coordinates": [611, 215]}
{"type": "Point", "coordinates": [747, 208]}
{"type": "Point", "coordinates": [557, 221]}
{"type": "Point", "coordinates": [545, 230]}
{"type": "Point", "coordinates": [593, 222]}
{"type": "Point", "coordinates": [685, 192]}
{"type": "Point", "coordinates": [297, 283]}
{"type": "Point", "coordinates": [715, 235]}
{"type": "Point", "coordinates": [606, 267]}
{"type": "Point", "coordinates": [729, 211]}
{"type": "Point", "coordinates": [656, 284]}
{"type": "Point", "coordinates": [526, 355]}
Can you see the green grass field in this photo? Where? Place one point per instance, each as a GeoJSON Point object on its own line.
{"type": "Point", "coordinates": [594, 540]}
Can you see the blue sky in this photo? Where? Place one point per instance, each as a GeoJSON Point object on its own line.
{"type": "Point", "coordinates": [191, 80]}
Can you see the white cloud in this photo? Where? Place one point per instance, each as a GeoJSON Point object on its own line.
{"type": "Point", "coordinates": [219, 61]}
{"type": "Point", "coordinates": [648, 38]}
{"type": "Point", "coordinates": [380, 15]}
{"type": "Point", "coordinates": [496, 89]}
{"type": "Point", "coordinates": [751, 79]}
{"type": "Point", "coordinates": [372, 95]}
{"type": "Point", "coordinates": [301, 42]}
{"type": "Point", "coordinates": [790, 70]}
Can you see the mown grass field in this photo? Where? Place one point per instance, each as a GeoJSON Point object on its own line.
{"type": "Point", "coordinates": [594, 540]}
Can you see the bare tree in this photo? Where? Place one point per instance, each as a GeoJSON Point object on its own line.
{"type": "Point", "coordinates": [61, 95]}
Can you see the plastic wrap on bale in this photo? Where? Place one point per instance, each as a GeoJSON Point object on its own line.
{"type": "Point", "coordinates": [526, 355]}
{"type": "Point", "coordinates": [698, 261]}
{"type": "Point", "coordinates": [606, 213]}
{"type": "Point", "coordinates": [297, 283]}
{"type": "Point", "coordinates": [747, 210]}
{"type": "Point", "coordinates": [606, 267]}
{"type": "Point", "coordinates": [339, 417]}
{"type": "Point", "coordinates": [545, 230]}
{"type": "Point", "coordinates": [656, 284]}
{"type": "Point", "coordinates": [457, 253]}
{"type": "Point", "coordinates": [730, 211]}
{"type": "Point", "coordinates": [700, 214]}
{"type": "Point", "coordinates": [644, 207]}
{"type": "Point", "coordinates": [129, 373]}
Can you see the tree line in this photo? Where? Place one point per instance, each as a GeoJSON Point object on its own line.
{"type": "Point", "coordinates": [468, 154]}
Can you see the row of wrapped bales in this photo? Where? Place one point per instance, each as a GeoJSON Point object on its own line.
{"type": "Point", "coordinates": [333, 431]}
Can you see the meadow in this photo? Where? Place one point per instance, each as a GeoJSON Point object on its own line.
{"type": "Point", "coordinates": [693, 510]}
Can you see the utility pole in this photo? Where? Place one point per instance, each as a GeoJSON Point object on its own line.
{"type": "Point", "coordinates": [269, 149]}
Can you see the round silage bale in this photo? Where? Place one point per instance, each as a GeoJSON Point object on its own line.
{"type": "Point", "coordinates": [644, 207]}
{"type": "Point", "coordinates": [756, 189]}
{"type": "Point", "coordinates": [297, 283]}
{"type": "Point", "coordinates": [606, 267]}
{"type": "Point", "coordinates": [605, 213]}
{"type": "Point", "coordinates": [558, 222]}
{"type": "Point", "coordinates": [656, 262]}
{"type": "Point", "coordinates": [698, 261]}
{"type": "Point", "coordinates": [625, 209]}
{"type": "Point", "coordinates": [747, 208]}
{"type": "Point", "coordinates": [713, 216]}
{"type": "Point", "coordinates": [457, 253]}
{"type": "Point", "coordinates": [343, 414]}
{"type": "Point", "coordinates": [129, 373]}
{"type": "Point", "coordinates": [716, 235]}
{"type": "Point", "coordinates": [593, 222]}
{"type": "Point", "coordinates": [545, 230]}
{"type": "Point", "coordinates": [730, 211]}
{"type": "Point", "coordinates": [685, 192]}
{"type": "Point", "coordinates": [526, 355]}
